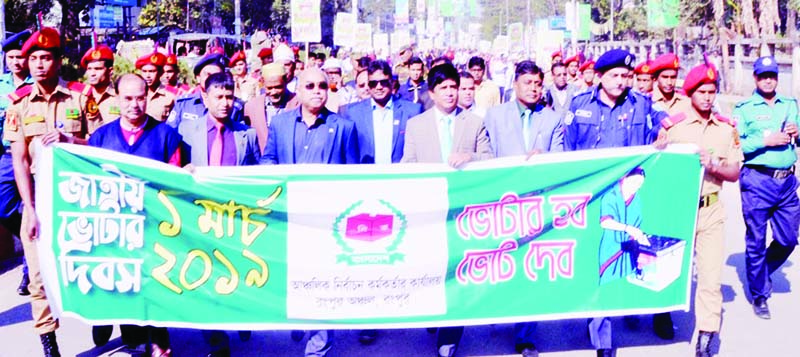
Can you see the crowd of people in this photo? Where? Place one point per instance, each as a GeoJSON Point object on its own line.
{"type": "Point", "coordinates": [419, 110]}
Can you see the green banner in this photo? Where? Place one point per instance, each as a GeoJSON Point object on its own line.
{"type": "Point", "coordinates": [663, 13]}
{"type": "Point", "coordinates": [595, 233]}
{"type": "Point", "coordinates": [585, 22]}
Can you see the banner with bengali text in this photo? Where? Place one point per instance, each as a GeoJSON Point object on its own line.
{"type": "Point", "coordinates": [570, 235]}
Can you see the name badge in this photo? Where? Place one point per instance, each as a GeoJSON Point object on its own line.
{"type": "Point", "coordinates": [33, 119]}
{"type": "Point", "coordinates": [583, 113]}
{"type": "Point", "coordinates": [189, 116]}
{"type": "Point", "coordinates": [762, 117]}
{"type": "Point", "coordinates": [113, 110]}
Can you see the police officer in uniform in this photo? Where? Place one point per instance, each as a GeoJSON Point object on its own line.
{"type": "Point", "coordinates": [767, 124]}
{"type": "Point", "coordinates": [10, 202]}
{"type": "Point", "coordinates": [99, 96]}
{"type": "Point", "coordinates": [665, 73]}
{"type": "Point", "coordinates": [48, 111]}
{"type": "Point", "coordinates": [721, 157]}
{"type": "Point", "coordinates": [610, 115]}
{"type": "Point", "coordinates": [160, 98]}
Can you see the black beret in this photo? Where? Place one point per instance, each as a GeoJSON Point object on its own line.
{"type": "Point", "coordinates": [16, 41]}
{"type": "Point", "coordinates": [613, 59]}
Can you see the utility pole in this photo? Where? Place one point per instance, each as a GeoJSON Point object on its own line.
{"type": "Point", "coordinates": [611, 37]}
{"type": "Point", "coordinates": [2, 30]}
{"type": "Point", "coordinates": [237, 23]}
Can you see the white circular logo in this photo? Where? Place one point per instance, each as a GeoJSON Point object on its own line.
{"type": "Point", "coordinates": [628, 60]}
{"type": "Point", "coordinates": [766, 61]}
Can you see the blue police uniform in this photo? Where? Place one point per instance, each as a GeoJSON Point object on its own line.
{"type": "Point", "coordinates": [768, 185]}
{"type": "Point", "coordinates": [191, 107]}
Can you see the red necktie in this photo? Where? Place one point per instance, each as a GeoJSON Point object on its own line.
{"type": "Point", "coordinates": [216, 148]}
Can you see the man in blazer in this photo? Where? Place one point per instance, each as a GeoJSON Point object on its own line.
{"type": "Point", "coordinates": [311, 134]}
{"type": "Point", "coordinates": [381, 120]}
{"type": "Point", "coordinates": [276, 99]}
{"type": "Point", "coordinates": [525, 125]}
{"type": "Point", "coordinates": [446, 134]}
{"type": "Point", "coordinates": [239, 145]}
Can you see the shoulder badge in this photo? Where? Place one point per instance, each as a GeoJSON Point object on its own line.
{"type": "Point", "coordinates": [23, 92]}
{"type": "Point", "coordinates": [670, 121]}
{"type": "Point", "coordinates": [12, 120]}
{"type": "Point", "coordinates": [77, 87]}
{"type": "Point", "coordinates": [725, 120]}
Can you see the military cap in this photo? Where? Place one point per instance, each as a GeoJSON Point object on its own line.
{"type": "Point", "coordinates": [665, 61]}
{"type": "Point", "coordinates": [171, 60]}
{"type": "Point", "coordinates": [556, 54]}
{"type": "Point", "coordinates": [645, 67]}
{"type": "Point", "coordinates": [586, 65]}
{"type": "Point", "coordinates": [45, 39]}
{"type": "Point", "coordinates": [213, 58]}
{"type": "Point", "coordinates": [613, 59]}
{"type": "Point", "coordinates": [238, 56]}
{"type": "Point", "coordinates": [16, 41]}
{"type": "Point", "coordinates": [156, 59]}
{"type": "Point", "coordinates": [699, 75]}
{"type": "Point", "coordinates": [764, 65]}
{"type": "Point", "coordinates": [97, 53]}
{"type": "Point", "coordinates": [265, 52]}
{"type": "Point", "coordinates": [575, 58]}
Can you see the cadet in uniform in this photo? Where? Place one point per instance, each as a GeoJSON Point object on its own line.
{"type": "Point", "coordinates": [644, 78]}
{"type": "Point", "coordinates": [10, 202]}
{"type": "Point", "coordinates": [767, 124]}
{"type": "Point", "coordinates": [246, 86]}
{"type": "Point", "coordinates": [48, 111]}
{"type": "Point", "coordinates": [665, 73]}
{"type": "Point", "coordinates": [720, 156]}
{"type": "Point", "coordinates": [160, 98]}
{"type": "Point", "coordinates": [99, 98]}
{"type": "Point", "coordinates": [610, 115]}
{"type": "Point", "coordinates": [172, 73]}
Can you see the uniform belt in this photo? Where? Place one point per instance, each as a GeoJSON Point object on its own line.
{"type": "Point", "coordinates": [709, 200]}
{"type": "Point", "coordinates": [774, 173]}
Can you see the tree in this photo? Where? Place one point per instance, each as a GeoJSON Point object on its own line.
{"type": "Point", "coordinates": [166, 13]}
{"type": "Point", "coordinates": [70, 27]}
{"type": "Point", "coordinates": [21, 14]}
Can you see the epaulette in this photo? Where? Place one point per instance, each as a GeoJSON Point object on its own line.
{"type": "Point", "coordinates": [171, 89]}
{"type": "Point", "coordinates": [725, 120]}
{"type": "Point", "coordinates": [76, 86]}
{"type": "Point", "coordinates": [20, 93]}
{"type": "Point", "coordinates": [670, 121]}
{"type": "Point", "coordinates": [87, 90]}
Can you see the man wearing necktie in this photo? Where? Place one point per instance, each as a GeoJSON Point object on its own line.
{"type": "Point", "coordinates": [415, 90]}
{"type": "Point", "coordinates": [445, 134]}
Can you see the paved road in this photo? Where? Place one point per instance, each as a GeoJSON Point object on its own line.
{"type": "Point", "coordinates": [743, 335]}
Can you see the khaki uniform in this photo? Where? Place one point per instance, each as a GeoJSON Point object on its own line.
{"type": "Point", "coordinates": [401, 71]}
{"type": "Point", "coordinates": [678, 104]}
{"type": "Point", "coordinates": [487, 94]}
{"type": "Point", "coordinates": [100, 108]}
{"type": "Point", "coordinates": [29, 117]}
{"type": "Point", "coordinates": [718, 136]}
{"type": "Point", "coordinates": [246, 88]}
{"type": "Point", "coordinates": [161, 101]}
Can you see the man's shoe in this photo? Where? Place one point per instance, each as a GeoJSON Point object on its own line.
{"type": "Point", "coordinates": [101, 334]}
{"type": "Point", "coordinates": [703, 348]}
{"type": "Point", "coordinates": [50, 345]}
{"type": "Point", "coordinates": [367, 337]}
{"type": "Point", "coordinates": [22, 290]}
{"type": "Point", "coordinates": [447, 350]}
{"type": "Point", "coordinates": [244, 336]}
{"type": "Point", "coordinates": [223, 352]}
{"type": "Point", "coordinates": [297, 335]}
{"type": "Point", "coordinates": [662, 326]}
{"type": "Point", "coordinates": [604, 352]}
{"type": "Point", "coordinates": [528, 350]}
{"type": "Point", "coordinates": [761, 308]}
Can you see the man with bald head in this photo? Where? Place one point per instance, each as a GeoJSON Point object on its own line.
{"type": "Point", "coordinates": [275, 100]}
{"type": "Point", "coordinates": [309, 126]}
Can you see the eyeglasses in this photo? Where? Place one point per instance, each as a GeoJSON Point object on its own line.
{"type": "Point", "coordinates": [320, 85]}
{"type": "Point", "coordinates": [383, 82]}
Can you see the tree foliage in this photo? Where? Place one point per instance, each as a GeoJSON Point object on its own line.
{"type": "Point", "coordinates": [21, 14]}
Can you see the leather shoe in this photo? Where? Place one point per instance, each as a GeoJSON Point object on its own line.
{"type": "Point", "coordinates": [101, 334]}
{"type": "Point", "coordinates": [761, 308]}
{"type": "Point", "coordinates": [367, 337]}
{"type": "Point", "coordinates": [529, 351]}
{"type": "Point", "coordinates": [50, 345]}
{"type": "Point", "coordinates": [244, 336]}
{"type": "Point", "coordinates": [22, 290]}
{"type": "Point", "coordinates": [703, 348]}
{"type": "Point", "coordinates": [662, 326]}
{"type": "Point", "coordinates": [297, 335]}
{"type": "Point", "coordinates": [604, 352]}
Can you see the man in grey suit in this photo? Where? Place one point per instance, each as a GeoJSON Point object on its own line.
{"type": "Point", "coordinates": [525, 125]}
{"type": "Point", "coordinates": [216, 140]}
{"type": "Point", "coordinates": [446, 134]}
{"type": "Point", "coordinates": [559, 95]}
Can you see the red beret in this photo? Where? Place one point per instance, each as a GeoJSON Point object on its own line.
{"type": "Point", "coordinates": [586, 65]}
{"type": "Point", "coordinates": [156, 59]}
{"type": "Point", "coordinates": [296, 50]}
{"type": "Point", "coordinates": [665, 61]}
{"type": "Point", "coordinates": [575, 58]}
{"type": "Point", "coordinates": [45, 39]}
{"type": "Point", "coordinates": [238, 56]}
{"type": "Point", "coordinates": [265, 52]}
{"type": "Point", "coordinates": [98, 53]}
{"type": "Point", "coordinates": [702, 74]}
{"type": "Point", "coordinates": [556, 54]}
{"type": "Point", "coordinates": [645, 67]}
{"type": "Point", "coordinates": [171, 60]}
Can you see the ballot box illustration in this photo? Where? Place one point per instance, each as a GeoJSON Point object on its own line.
{"type": "Point", "coordinates": [660, 263]}
{"type": "Point", "coordinates": [369, 228]}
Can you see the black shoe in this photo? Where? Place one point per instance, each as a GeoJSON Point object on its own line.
{"type": "Point", "coordinates": [223, 352]}
{"type": "Point", "coordinates": [662, 326]}
{"type": "Point", "coordinates": [101, 334]}
{"type": "Point", "coordinates": [761, 309]}
{"type": "Point", "coordinates": [50, 345]}
{"type": "Point", "coordinates": [244, 336]}
{"type": "Point", "coordinates": [297, 335]}
{"type": "Point", "coordinates": [703, 348]}
{"type": "Point", "coordinates": [604, 352]}
{"type": "Point", "coordinates": [22, 290]}
{"type": "Point", "coordinates": [431, 329]}
{"type": "Point", "coordinates": [527, 350]}
{"type": "Point", "coordinates": [367, 337]}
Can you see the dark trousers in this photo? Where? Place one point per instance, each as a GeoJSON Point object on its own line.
{"type": "Point", "coordinates": [767, 199]}
{"type": "Point", "coordinates": [13, 224]}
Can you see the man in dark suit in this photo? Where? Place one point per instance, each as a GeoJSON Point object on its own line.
{"type": "Point", "coordinates": [415, 90]}
{"type": "Point", "coordinates": [311, 134]}
{"type": "Point", "coordinates": [381, 120]}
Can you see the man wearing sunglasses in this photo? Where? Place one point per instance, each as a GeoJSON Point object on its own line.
{"type": "Point", "coordinates": [381, 120]}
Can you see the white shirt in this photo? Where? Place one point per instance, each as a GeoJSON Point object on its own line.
{"type": "Point", "coordinates": [382, 128]}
